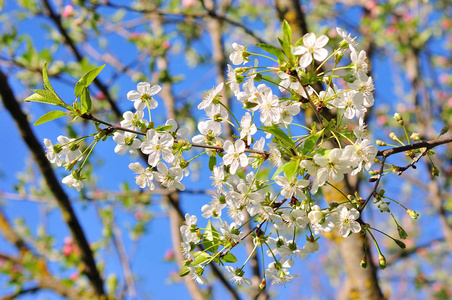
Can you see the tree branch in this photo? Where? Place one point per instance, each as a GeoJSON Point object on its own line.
{"type": "Point", "coordinates": [426, 144]}
{"type": "Point", "coordinates": [12, 105]}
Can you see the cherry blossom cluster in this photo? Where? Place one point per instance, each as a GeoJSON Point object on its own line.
{"type": "Point", "coordinates": [272, 135]}
{"type": "Point", "coordinates": [249, 198]}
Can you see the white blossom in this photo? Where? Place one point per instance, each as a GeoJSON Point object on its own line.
{"type": "Point", "coordinates": [144, 176]}
{"type": "Point", "coordinates": [158, 145]}
{"type": "Point", "coordinates": [235, 155]}
{"type": "Point", "coordinates": [312, 47]}
{"type": "Point", "coordinates": [143, 96]}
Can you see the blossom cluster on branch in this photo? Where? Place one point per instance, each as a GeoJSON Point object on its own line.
{"type": "Point", "coordinates": [271, 134]}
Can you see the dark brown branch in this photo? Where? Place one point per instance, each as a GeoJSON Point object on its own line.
{"type": "Point", "coordinates": [21, 292]}
{"type": "Point", "coordinates": [208, 12]}
{"type": "Point", "coordinates": [426, 144]}
{"type": "Point", "coordinates": [115, 127]}
{"type": "Point", "coordinates": [35, 147]}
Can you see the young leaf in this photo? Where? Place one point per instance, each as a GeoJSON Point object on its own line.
{"type": "Point", "coordinates": [281, 135]}
{"type": "Point", "coordinates": [290, 169]}
{"type": "Point", "coordinates": [85, 100]}
{"type": "Point", "coordinates": [86, 80]}
{"type": "Point", "coordinates": [229, 258]}
{"type": "Point", "coordinates": [45, 96]}
{"type": "Point", "coordinates": [311, 141]}
{"type": "Point", "coordinates": [273, 50]}
{"type": "Point", "coordinates": [184, 271]}
{"type": "Point", "coordinates": [287, 32]}
{"type": "Point", "coordinates": [51, 115]}
{"type": "Point", "coordinates": [200, 257]}
{"type": "Point", "coordinates": [286, 48]}
{"type": "Point", "coordinates": [211, 240]}
{"type": "Point", "coordinates": [212, 162]}
{"type": "Point", "coordinates": [45, 78]}
{"type": "Point", "coordinates": [163, 128]}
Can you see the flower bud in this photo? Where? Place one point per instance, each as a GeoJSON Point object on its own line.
{"type": "Point", "coordinates": [57, 148]}
{"type": "Point", "coordinates": [373, 178]}
{"type": "Point", "coordinates": [263, 284]}
{"type": "Point", "coordinates": [350, 78]}
{"type": "Point", "coordinates": [374, 172]}
{"type": "Point", "coordinates": [435, 171]}
{"type": "Point", "coordinates": [380, 143]}
{"type": "Point", "coordinates": [400, 244]}
{"type": "Point", "coordinates": [414, 215]}
{"type": "Point", "coordinates": [444, 130]}
{"type": "Point", "coordinates": [338, 57]}
{"type": "Point", "coordinates": [73, 147]}
{"type": "Point", "coordinates": [239, 78]}
{"type": "Point", "coordinates": [364, 262]}
{"type": "Point", "coordinates": [393, 136]}
{"type": "Point", "coordinates": [398, 118]}
{"type": "Point", "coordinates": [415, 136]}
{"type": "Point", "coordinates": [382, 261]}
{"type": "Point", "coordinates": [343, 44]}
{"type": "Point", "coordinates": [402, 232]}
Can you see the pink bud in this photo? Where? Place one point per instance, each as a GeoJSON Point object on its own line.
{"type": "Point", "coordinates": [100, 95]}
{"type": "Point", "coordinates": [169, 255]}
{"type": "Point", "coordinates": [188, 3]}
{"type": "Point", "coordinates": [67, 250]}
{"type": "Point", "coordinates": [68, 11]}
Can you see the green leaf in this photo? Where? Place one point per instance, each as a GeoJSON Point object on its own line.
{"type": "Point", "coordinates": [85, 101]}
{"type": "Point", "coordinates": [212, 162]}
{"type": "Point", "coordinates": [229, 258]}
{"type": "Point", "coordinates": [211, 240]}
{"type": "Point", "coordinates": [163, 128]}
{"type": "Point", "coordinates": [286, 48]}
{"type": "Point", "coordinates": [299, 42]}
{"type": "Point", "coordinates": [51, 115]}
{"type": "Point", "coordinates": [86, 80]}
{"type": "Point", "coordinates": [200, 257]}
{"type": "Point", "coordinates": [281, 135]}
{"type": "Point", "coordinates": [45, 78]}
{"type": "Point", "coordinates": [287, 32]}
{"type": "Point", "coordinates": [273, 50]}
{"type": "Point", "coordinates": [310, 142]}
{"type": "Point", "coordinates": [278, 171]}
{"type": "Point", "coordinates": [184, 271]}
{"type": "Point", "coordinates": [289, 169]}
{"type": "Point", "coordinates": [45, 96]}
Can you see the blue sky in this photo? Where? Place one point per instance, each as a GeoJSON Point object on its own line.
{"type": "Point", "coordinates": [152, 272]}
